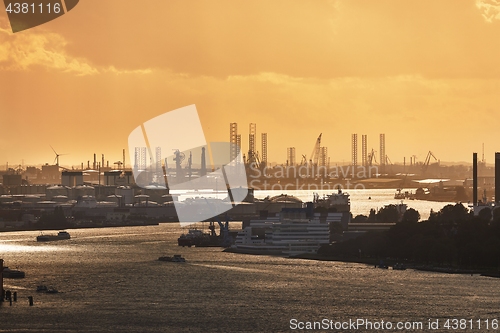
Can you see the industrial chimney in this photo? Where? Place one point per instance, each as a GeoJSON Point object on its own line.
{"type": "Point", "coordinates": [474, 179]}
{"type": "Point", "coordinates": [497, 177]}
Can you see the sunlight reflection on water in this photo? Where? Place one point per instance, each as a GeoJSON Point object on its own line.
{"type": "Point", "coordinates": [28, 248]}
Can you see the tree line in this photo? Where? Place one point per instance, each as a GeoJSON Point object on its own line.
{"type": "Point", "coordinates": [453, 236]}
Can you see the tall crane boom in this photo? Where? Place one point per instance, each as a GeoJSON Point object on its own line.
{"type": "Point", "coordinates": [427, 161]}
{"type": "Point", "coordinates": [315, 153]}
{"type": "Point", "coordinates": [372, 157]}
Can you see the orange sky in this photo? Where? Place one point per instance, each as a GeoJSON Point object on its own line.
{"type": "Point", "coordinates": [425, 73]}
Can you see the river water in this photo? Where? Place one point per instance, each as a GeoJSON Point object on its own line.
{"type": "Point", "coordinates": [362, 200]}
{"type": "Point", "coordinates": [110, 281]}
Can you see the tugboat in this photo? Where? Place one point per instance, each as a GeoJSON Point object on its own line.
{"type": "Point", "coordinates": [12, 273]}
{"type": "Point", "coordinates": [199, 238]}
{"type": "Point", "coordinates": [47, 238]}
{"type": "Point", "coordinates": [192, 238]}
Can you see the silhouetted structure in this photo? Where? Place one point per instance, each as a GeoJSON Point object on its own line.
{"type": "Point", "coordinates": [474, 179]}
{"type": "Point", "coordinates": [382, 153]}
{"type": "Point", "coordinates": [497, 177]}
{"type": "Point", "coordinates": [354, 142]}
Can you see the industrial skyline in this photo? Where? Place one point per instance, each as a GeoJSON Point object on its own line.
{"type": "Point", "coordinates": [295, 68]}
{"type": "Point", "coordinates": [373, 153]}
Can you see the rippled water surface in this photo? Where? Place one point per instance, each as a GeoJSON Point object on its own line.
{"type": "Point", "coordinates": [110, 281]}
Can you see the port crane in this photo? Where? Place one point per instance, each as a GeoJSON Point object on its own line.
{"type": "Point", "coordinates": [257, 159]}
{"type": "Point", "coordinates": [225, 240]}
{"type": "Point", "coordinates": [315, 153]}
{"type": "Point", "coordinates": [427, 161]}
{"type": "Point", "coordinates": [371, 157]}
{"type": "Point", "coordinates": [304, 160]}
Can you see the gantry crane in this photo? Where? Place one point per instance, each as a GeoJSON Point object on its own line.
{"type": "Point", "coordinates": [427, 161]}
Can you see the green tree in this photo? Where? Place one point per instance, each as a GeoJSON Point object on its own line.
{"type": "Point", "coordinates": [360, 219]}
{"type": "Point", "coordinates": [388, 213]}
{"type": "Point", "coordinates": [485, 214]}
{"type": "Point", "coordinates": [373, 215]}
{"type": "Point", "coordinates": [411, 215]}
{"type": "Point", "coordinates": [496, 215]}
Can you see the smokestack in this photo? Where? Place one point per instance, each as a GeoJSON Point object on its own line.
{"type": "Point", "coordinates": [88, 164]}
{"type": "Point", "coordinates": [474, 179]}
{"type": "Point", "coordinates": [203, 170]}
{"type": "Point", "coordinates": [497, 177]}
{"type": "Point", "coordinates": [123, 165]}
{"type": "Point", "coordinates": [102, 160]}
{"type": "Point", "coordinates": [95, 164]}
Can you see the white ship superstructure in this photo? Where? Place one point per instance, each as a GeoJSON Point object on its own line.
{"type": "Point", "coordinates": [288, 234]}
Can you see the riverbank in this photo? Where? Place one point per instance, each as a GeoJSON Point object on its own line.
{"type": "Point", "coordinates": [489, 272]}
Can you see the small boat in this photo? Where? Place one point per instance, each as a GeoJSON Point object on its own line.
{"type": "Point", "coordinates": [44, 289]}
{"type": "Point", "coordinates": [175, 258]}
{"type": "Point", "coordinates": [47, 238]}
{"type": "Point", "coordinates": [12, 273]}
{"type": "Point", "coordinates": [41, 288]}
{"type": "Point", "coordinates": [399, 267]}
{"type": "Point", "coordinates": [52, 290]}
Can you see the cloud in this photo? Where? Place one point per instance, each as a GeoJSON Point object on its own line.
{"type": "Point", "coordinates": [25, 51]}
{"type": "Point", "coordinates": [114, 70]}
{"type": "Point", "coordinates": [19, 52]}
{"type": "Point", "coordinates": [269, 77]}
{"type": "Point", "coordinates": [490, 9]}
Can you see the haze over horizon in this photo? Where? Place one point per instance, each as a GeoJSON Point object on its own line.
{"type": "Point", "coordinates": [424, 73]}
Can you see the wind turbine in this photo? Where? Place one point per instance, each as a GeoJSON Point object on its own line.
{"type": "Point", "coordinates": [56, 159]}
